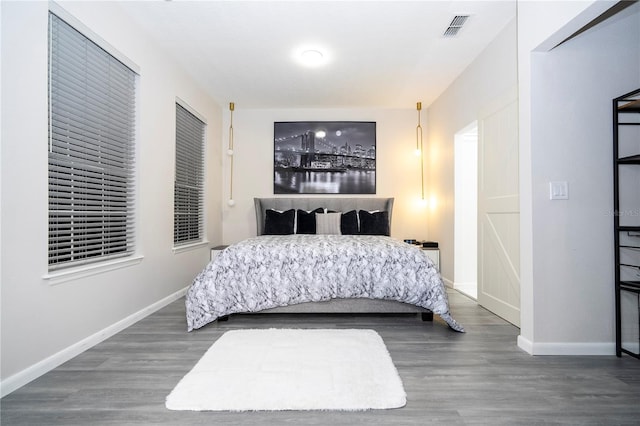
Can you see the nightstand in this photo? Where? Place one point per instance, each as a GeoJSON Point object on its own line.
{"type": "Point", "coordinates": [434, 255]}
{"type": "Point", "coordinates": [216, 251]}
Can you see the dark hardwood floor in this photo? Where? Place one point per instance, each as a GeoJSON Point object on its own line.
{"type": "Point", "coordinates": [479, 377]}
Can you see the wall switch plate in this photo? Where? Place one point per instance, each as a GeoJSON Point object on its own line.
{"type": "Point", "coordinates": [559, 190]}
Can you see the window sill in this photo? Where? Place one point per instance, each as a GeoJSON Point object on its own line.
{"type": "Point", "coordinates": [59, 277]}
{"type": "Point", "coordinates": [189, 247]}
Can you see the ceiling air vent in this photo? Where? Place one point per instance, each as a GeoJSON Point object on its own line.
{"type": "Point", "coordinates": [455, 26]}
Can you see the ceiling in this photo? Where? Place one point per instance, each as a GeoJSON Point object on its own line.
{"type": "Point", "coordinates": [382, 54]}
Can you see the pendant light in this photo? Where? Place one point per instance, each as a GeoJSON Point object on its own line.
{"type": "Point", "coordinates": [231, 202]}
{"type": "Point", "coordinates": [420, 148]}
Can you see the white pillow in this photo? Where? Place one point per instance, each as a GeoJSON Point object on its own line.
{"type": "Point", "coordinates": [328, 223]}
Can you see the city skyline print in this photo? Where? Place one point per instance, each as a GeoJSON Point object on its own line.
{"type": "Point", "coordinates": [324, 157]}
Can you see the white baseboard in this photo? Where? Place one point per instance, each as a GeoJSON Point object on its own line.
{"type": "Point", "coordinates": [465, 284]}
{"type": "Point", "coordinates": [468, 289]}
{"type": "Point", "coordinates": [565, 348]}
{"type": "Point", "coordinates": [25, 376]}
{"type": "Point", "coordinates": [525, 344]}
{"type": "Point", "coordinates": [447, 282]}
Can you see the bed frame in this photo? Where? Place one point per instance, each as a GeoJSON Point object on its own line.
{"type": "Point", "coordinates": [336, 305]}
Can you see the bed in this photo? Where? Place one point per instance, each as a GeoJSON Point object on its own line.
{"type": "Point", "coordinates": [319, 255]}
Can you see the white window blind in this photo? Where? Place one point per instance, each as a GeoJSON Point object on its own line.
{"type": "Point", "coordinates": [91, 150]}
{"type": "Point", "coordinates": [188, 189]}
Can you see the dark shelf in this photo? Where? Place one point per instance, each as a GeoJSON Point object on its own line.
{"type": "Point", "coordinates": [631, 286]}
{"type": "Point", "coordinates": [629, 228]}
{"type": "Point", "coordinates": [630, 266]}
{"type": "Point", "coordinates": [628, 352]}
{"type": "Point", "coordinates": [633, 159]}
{"type": "Point", "coordinates": [624, 109]}
{"type": "Point", "coordinates": [631, 106]}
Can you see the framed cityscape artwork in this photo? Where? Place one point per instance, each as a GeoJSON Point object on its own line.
{"type": "Point", "coordinates": [324, 157]}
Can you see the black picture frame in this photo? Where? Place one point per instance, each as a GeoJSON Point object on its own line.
{"type": "Point", "coordinates": [324, 157]}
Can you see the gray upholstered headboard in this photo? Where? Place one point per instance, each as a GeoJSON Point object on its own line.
{"type": "Point", "coordinates": [336, 204]}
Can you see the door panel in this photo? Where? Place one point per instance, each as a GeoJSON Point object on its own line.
{"type": "Point", "coordinates": [499, 213]}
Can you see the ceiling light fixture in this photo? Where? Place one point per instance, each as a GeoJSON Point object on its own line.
{"type": "Point", "coordinates": [311, 57]}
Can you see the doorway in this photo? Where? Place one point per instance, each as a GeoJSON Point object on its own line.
{"type": "Point", "coordinates": [466, 211]}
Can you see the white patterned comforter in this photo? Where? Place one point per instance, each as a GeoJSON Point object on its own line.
{"type": "Point", "coordinates": [277, 270]}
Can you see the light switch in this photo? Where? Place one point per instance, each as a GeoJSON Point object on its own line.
{"type": "Point", "coordinates": [559, 190]}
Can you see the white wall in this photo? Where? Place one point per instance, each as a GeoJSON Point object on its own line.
{"type": "Point", "coordinates": [488, 78]}
{"type": "Point", "coordinates": [541, 25]}
{"type": "Point", "coordinates": [571, 140]}
{"type": "Point", "coordinates": [41, 321]}
{"type": "Point", "coordinates": [397, 166]}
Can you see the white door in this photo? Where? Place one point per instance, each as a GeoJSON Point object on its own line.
{"type": "Point", "coordinates": [499, 212]}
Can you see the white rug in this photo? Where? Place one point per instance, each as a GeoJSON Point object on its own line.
{"type": "Point", "coordinates": [292, 369]}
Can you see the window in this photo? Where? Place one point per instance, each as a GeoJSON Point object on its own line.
{"type": "Point", "coordinates": [91, 150]}
{"type": "Point", "coordinates": [188, 199]}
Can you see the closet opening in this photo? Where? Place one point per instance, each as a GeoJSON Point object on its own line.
{"type": "Point", "coordinates": [466, 211]}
